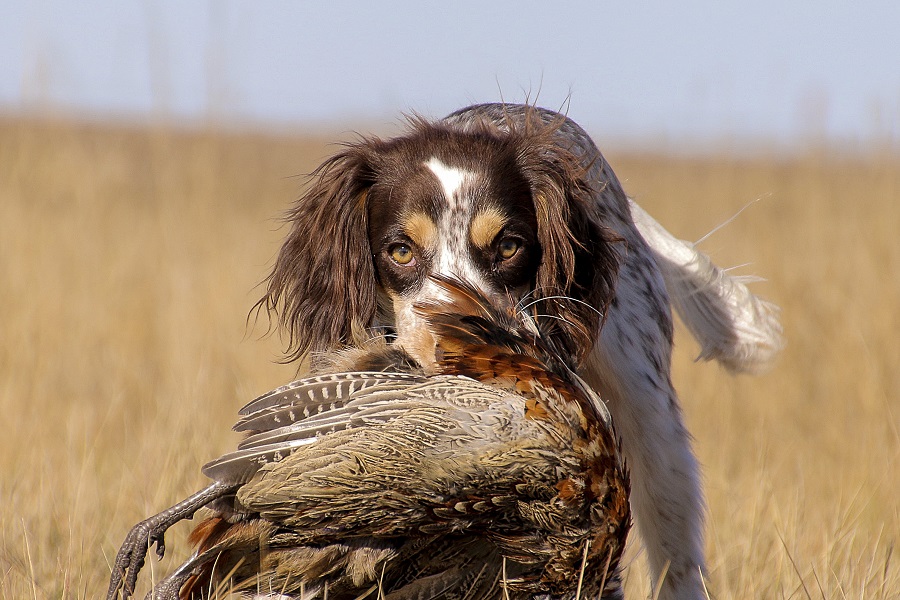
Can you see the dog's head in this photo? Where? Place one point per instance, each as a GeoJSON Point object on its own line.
{"type": "Point", "coordinates": [509, 212]}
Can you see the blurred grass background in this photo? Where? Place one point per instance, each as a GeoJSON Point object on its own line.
{"type": "Point", "coordinates": [130, 257]}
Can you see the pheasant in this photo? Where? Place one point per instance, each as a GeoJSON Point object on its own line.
{"type": "Point", "coordinates": [493, 473]}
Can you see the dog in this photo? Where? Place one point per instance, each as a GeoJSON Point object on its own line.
{"type": "Point", "coordinates": [518, 202]}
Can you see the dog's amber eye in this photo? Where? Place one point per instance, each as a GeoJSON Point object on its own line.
{"type": "Point", "coordinates": [402, 254]}
{"type": "Point", "coordinates": [507, 248]}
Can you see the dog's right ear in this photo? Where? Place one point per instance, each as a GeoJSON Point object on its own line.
{"type": "Point", "coordinates": [322, 287]}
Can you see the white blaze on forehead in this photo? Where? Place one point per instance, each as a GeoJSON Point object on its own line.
{"type": "Point", "coordinates": [451, 179]}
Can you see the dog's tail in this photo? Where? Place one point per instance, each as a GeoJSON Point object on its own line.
{"type": "Point", "coordinates": [733, 326]}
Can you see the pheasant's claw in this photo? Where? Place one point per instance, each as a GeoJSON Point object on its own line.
{"type": "Point", "coordinates": [160, 545]}
{"type": "Point", "coordinates": [133, 553]}
{"type": "Point", "coordinates": [129, 561]}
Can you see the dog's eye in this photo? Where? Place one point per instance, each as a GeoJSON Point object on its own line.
{"type": "Point", "coordinates": [402, 255]}
{"type": "Point", "coordinates": [507, 248]}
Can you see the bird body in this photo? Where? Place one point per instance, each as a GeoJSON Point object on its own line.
{"type": "Point", "coordinates": [492, 473]}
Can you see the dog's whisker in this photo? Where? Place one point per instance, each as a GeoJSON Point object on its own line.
{"type": "Point", "coordinates": [568, 298]}
{"type": "Point", "coordinates": [558, 318]}
{"type": "Point", "coordinates": [539, 290]}
{"type": "Point", "coordinates": [524, 298]}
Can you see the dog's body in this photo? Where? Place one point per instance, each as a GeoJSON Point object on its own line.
{"type": "Point", "coordinates": [518, 202]}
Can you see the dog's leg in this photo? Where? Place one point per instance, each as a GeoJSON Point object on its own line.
{"type": "Point", "coordinates": [630, 369]}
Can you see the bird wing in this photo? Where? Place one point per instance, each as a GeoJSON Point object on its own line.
{"type": "Point", "coordinates": [313, 395]}
{"type": "Point", "coordinates": [415, 452]}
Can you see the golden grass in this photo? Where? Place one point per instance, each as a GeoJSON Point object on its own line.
{"type": "Point", "coordinates": [129, 260]}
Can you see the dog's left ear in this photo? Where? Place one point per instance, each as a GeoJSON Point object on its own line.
{"type": "Point", "coordinates": [580, 255]}
{"type": "Point", "coordinates": [322, 286]}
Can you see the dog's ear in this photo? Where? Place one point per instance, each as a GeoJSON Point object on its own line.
{"type": "Point", "coordinates": [322, 287]}
{"type": "Point", "coordinates": [580, 255]}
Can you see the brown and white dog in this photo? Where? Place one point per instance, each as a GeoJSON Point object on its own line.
{"type": "Point", "coordinates": [518, 202]}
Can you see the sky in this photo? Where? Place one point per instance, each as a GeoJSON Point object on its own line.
{"type": "Point", "coordinates": [683, 71]}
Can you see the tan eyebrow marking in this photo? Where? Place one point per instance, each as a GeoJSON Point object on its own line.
{"type": "Point", "coordinates": [485, 227]}
{"type": "Point", "coordinates": [421, 230]}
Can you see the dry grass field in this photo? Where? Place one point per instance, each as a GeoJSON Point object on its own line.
{"type": "Point", "coordinates": [129, 259]}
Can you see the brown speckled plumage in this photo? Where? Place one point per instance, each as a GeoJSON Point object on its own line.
{"type": "Point", "coordinates": [496, 476]}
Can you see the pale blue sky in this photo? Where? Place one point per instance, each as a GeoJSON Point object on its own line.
{"type": "Point", "coordinates": [682, 70]}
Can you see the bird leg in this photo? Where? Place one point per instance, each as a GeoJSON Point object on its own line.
{"type": "Point", "coordinates": [142, 536]}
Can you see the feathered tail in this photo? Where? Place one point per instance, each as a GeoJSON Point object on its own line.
{"type": "Point", "coordinates": [732, 325]}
